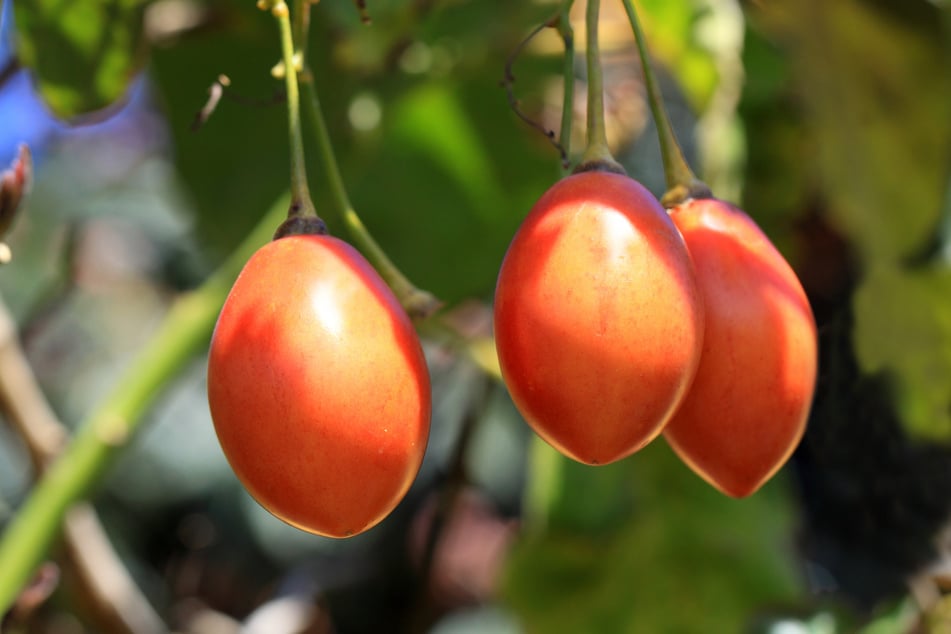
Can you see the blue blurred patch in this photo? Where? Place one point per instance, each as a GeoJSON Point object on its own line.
{"type": "Point", "coordinates": [22, 116]}
{"type": "Point", "coordinates": [25, 119]}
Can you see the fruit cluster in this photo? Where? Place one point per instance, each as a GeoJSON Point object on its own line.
{"type": "Point", "coordinates": [616, 321]}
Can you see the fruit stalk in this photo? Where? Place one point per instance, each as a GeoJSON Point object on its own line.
{"type": "Point", "coordinates": [418, 304]}
{"type": "Point", "coordinates": [682, 183]}
{"type": "Point", "coordinates": [301, 204]}
{"type": "Point", "coordinates": [563, 25]}
{"type": "Point", "coordinates": [597, 154]}
{"type": "Point", "coordinates": [300, 23]}
{"type": "Point", "coordinates": [561, 22]}
{"type": "Point", "coordinates": [110, 426]}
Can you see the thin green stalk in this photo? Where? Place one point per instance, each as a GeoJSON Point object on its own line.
{"type": "Point", "coordinates": [597, 154]}
{"type": "Point", "coordinates": [561, 22]}
{"type": "Point", "coordinates": [301, 203]}
{"type": "Point", "coordinates": [418, 303]}
{"type": "Point", "coordinates": [568, 72]}
{"type": "Point", "coordinates": [110, 426]}
{"type": "Point", "coordinates": [682, 183]}
{"type": "Point", "coordinates": [301, 26]}
{"type": "Point", "coordinates": [508, 83]}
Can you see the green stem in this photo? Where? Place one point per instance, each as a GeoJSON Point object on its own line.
{"type": "Point", "coordinates": [301, 204]}
{"type": "Point", "coordinates": [597, 154]}
{"type": "Point", "coordinates": [301, 26]}
{"type": "Point", "coordinates": [109, 427]}
{"type": "Point", "coordinates": [682, 184]}
{"type": "Point", "coordinates": [568, 71]}
{"type": "Point", "coordinates": [418, 303]}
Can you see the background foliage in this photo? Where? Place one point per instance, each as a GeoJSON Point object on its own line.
{"type": "Point", "coordinates": [830, 122]}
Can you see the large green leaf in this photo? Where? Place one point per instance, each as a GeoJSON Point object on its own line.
{"type": "Point", "coordinates": [435, 190]}
{"type": "Point", "coordinates": [237, 162]}
{"type": "Point", "coordinates": [873, 79]}
{"type": "Point", "coordinates": [82, 53]}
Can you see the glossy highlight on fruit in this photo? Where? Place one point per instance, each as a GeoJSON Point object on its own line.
{"type": "Point", "coordinates": [318, 387]}
{"type": "Point", "coordinates": [598, 321]}
{"type": "Point", "coordinates": [747, 408]}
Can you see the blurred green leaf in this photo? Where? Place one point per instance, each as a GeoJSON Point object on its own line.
{"type": "Point", "coordinates": [673, 37]}
{"type": "Point", "coordinates": [444, 201]}
{"type": "Point", "coordinates": [645, 545]}
{"type": "Point", "coordinates": [938, 618]}
{"type": "Point", "coordinates": [903, 325]}
{"type": "Point", "coordinates": [778, 180]}
{"type": "Point", "coordinates": [873, 79]}
{"type": "Point", "coordinates": [903, 616]}
{"type": "Point", "coordinates": [237, 162]}
{"type": "Point", "coordinates": [432, 121]}
{"type": "Point", "coordinates": [568, 495]}
{"type": "Point", "coordinates": [82, 53]}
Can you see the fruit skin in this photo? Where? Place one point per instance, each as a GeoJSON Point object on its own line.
{"type": "Point", "coordinates": [747, 408]}
{"type": "Point", "coordinates": [318, 386]}
{"type": "Point", "coordinates": [598, 321]}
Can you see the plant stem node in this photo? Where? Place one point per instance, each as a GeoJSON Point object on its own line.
{"type": "Point", "coordinates": [301, 226]}
{"type": "Point", "coordinates": [606, 164]}
{"type": "Point", "coordinates": [679, 194]}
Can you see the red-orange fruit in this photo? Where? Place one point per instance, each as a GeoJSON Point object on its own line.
{"type": "Point", "coordinates": [318, 387]}
{"type": "Point", "coordinates": [747, 408]}
{"type": "Point", "coordinates": [598, 321]}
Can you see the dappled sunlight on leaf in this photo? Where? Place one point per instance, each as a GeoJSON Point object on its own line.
{"type": "Point", "coordinates": [903, 325]}
{"type": "Point", "coordinates": [83, 54]}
